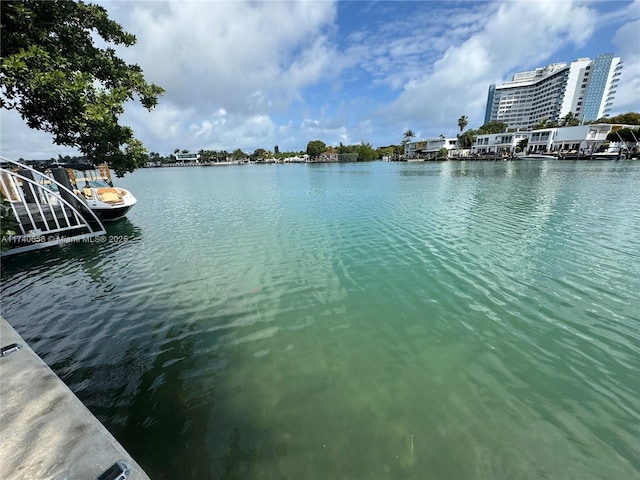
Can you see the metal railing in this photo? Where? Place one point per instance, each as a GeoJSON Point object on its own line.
{"type": "Point", "coordinates": [46, 212]}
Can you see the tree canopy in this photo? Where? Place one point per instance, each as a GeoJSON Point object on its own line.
{"type": "Point", "coordinates": [569, 120]}
{"type": "Point", "coordinates": [521, 146]}
{"type": "Point", "coordinates": [466, 139]}
{"type": "Point", "coordinates": [60, 82]}
{"type": "Point", "coordinates": [493, 127]}
{"type": "Point", "coordinates": [238, 154]}
{"type": "Point", "coordinates": [629, 118]}
{"type": "Point", "coordinates": [261, 154]}
{"type": "Point", "coordinates": [364, 152]}
{"type": "Point", "coordinates": [544, 123]}
{"type": "Point", "coordinates": [315, 148]}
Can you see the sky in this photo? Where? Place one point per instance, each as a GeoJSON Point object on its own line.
{"type": "Point", "coordinates": [256, 74]}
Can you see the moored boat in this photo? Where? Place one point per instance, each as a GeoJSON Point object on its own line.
{"type": "Point", "coordinates": [38, 211]}
{"type": "Point", "coordinates": [619, 155]}
{"type": "Point", "coordinates": [94, 186]}
{"type": "Point", "coordinates": [536, 156]}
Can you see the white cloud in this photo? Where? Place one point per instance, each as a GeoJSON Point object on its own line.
{"type": "Point", "coordinates": [17, 140]}
{"type": "Point", "coordinates": [250, 59]}
{"type": "Point", "coordinates": [508, 41]}
{"type": "Point", "coordinates": [627, 97]}
{"type": "Point", "coordinates": [219, 54]}
{"type": "Point", "coordinates": [247, 74]}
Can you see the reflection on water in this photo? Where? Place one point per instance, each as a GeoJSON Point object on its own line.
{"type": "Point", "coordinates": [444, 320]}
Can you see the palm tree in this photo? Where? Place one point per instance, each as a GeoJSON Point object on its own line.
{"type": "Point", "coordinates": [462, 122]}
{"type": "Point", "coordinates": [408, 135]}
{"type": "Point", "coordinates": [569, 120]}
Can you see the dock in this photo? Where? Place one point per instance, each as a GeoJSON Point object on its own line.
{"type": "Point", "coordinates": [45, 430]}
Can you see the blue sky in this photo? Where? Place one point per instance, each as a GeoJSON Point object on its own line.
{"type": "Point", "coordinates": [255, 74]}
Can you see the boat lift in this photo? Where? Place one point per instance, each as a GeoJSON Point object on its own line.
{"type": "Point", "coordinates": [46, 212]}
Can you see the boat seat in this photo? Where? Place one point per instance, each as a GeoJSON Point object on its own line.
{"type": "Point", "coordinates": [109, 195]}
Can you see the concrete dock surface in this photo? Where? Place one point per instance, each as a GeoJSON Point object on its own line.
{"type": "Point", "coordinates": [45, 430]}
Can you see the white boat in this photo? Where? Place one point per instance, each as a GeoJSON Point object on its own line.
{"type": "Point", "coordinates": [94, 186]}
{"type": "Point", "coordinates": [610, 155]}
{"type": "Point", "coordinates": [40, 211]}
{"type": "Point", "coordinates": [536, 156]}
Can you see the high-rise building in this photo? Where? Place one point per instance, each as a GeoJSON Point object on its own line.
{"type": "Point", "coordinates": [583, 87]}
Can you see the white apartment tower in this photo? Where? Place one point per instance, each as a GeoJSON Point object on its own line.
{"type": "Point", "coordinates": [584, 87]}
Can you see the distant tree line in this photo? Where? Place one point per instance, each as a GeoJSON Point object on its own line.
{"type": "Point", "coordinates": [363, 152]}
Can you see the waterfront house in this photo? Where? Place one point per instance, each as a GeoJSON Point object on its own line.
{"type": "Point", "coordinates": [579, 139]}
{"type": "Point", "coordinates": [585, 138]}
{"type": "Point", "coordinates": [427, 149]}
{"type": "Point", "coordinates": [330, 155]}
{"type": "Point", "coordinates": [540, 141]}
{"type": "Point", "coordinates": [582, 139]}
{"type": "Point", "coordinates": [191, 158]}
{"type": "Point", "coordinates": [497, 143]}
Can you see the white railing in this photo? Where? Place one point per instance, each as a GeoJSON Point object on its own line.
{"type": "Point", "coordinates": [44, 217]}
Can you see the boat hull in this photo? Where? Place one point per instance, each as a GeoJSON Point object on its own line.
{"type": "Point", "coordinates": [608, 156]}
{"type": "Point", "coordinates": [111, 214]}
{"type": "Point", "coordinates": [537, 157]}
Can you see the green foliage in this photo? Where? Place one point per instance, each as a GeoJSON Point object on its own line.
{"type": "Point", "coordinates": [629, 118]}
{"type": "Point", "coordinates": [207, 155]}
{"type": "Point", "coordinates": [442, 153]}
{"type": "Point", "coordinates": [363, 152]}
{"type": "Point", "coordinates": [212, 156]}
{"type": "Point", "coordinates": [260, 154]}
{"type": "Point", "coordinates": [8, 223]}
{"type": "Point", "coordinates": [283, 155]}
{"type": "Point", "coordinates": [366, 153]}
{"type": "Point", "coordinates": [521, 146]}
{"type": "Point", "coordinates": [315, 148]}
{"type": "Point", "coordinates": [408, 135]}
{"type": "Point", "coordinates": [569, 120]}
{"type": "Point", "coordinates": [463, 121]}
{"type": "Point", "coordinates": [61, 83]}
{"type": "Point", "coordinates": [388, 151]}
{"type": "Point", "coordinates": [545, 123]}
{"type": "Point", "coordinates": [238, 154]}
{"type": "Point", "coordinates": [466, 139]}
{"type": "Point", "coordinates": [493, 127]}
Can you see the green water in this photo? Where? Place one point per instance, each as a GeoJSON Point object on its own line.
{"type": "Point", "coordinates": [356, 321]}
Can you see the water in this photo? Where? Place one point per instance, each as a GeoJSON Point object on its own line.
{"type": "Point", "coordinates": [356, 321]}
